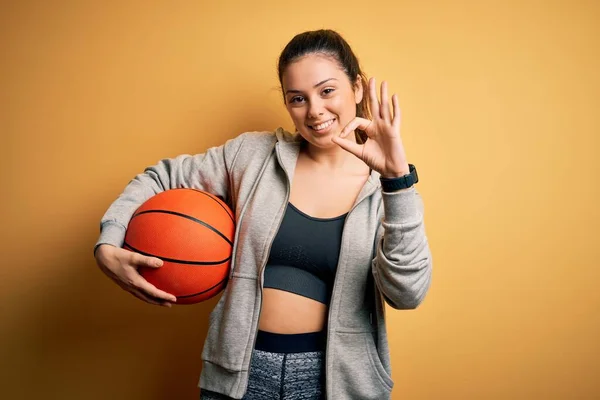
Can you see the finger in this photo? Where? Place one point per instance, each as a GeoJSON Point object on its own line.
{"type": "Point", "coordinates": [373, 102]}
{"type": "Point", "coordinates": [149, 299]}
{"type": "Point", "coordinates": [356, 123]}
{"type": "Point", "coordinates": [396, 106]}
{"type": "Point", "coordinates": [349, 145]}
{"type": "Point", "coordinates": [144, 297]}
{"type": "Point", "coordinates": [384, 110]}
{"type": "Point", "coordinates": [139, 260]}
{"type": "Point", "coordinates": [140, 283]}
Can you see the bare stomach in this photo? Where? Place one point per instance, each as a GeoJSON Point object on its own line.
{"type": "Point", "coordinates": [288, 313]}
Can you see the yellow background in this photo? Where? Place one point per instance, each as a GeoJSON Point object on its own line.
{"type": "Point", "coordinates": [500, 104]}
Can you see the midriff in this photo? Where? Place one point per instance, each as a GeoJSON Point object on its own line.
{"type": "Point", "coordinates": [289, 313]}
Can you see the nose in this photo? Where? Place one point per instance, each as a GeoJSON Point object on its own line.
{"type": "Point", "coordinates": [315, 108]}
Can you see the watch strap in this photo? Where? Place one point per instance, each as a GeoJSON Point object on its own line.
{"type": "Point", "coordinates": [401, 182]}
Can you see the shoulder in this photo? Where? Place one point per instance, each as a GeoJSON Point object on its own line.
{"type": "Point", "coordinates": [260, 142]}
{"type": "Point", "coordinates": [266, 138]}
{"type": "Point", "coordinates": [258, 138]}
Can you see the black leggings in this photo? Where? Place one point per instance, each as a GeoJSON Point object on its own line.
{"type": "Point", "coordinates": [290, 367]}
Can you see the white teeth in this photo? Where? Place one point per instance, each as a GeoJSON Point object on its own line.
{"type": "Point", "coordinates": [323, 125]}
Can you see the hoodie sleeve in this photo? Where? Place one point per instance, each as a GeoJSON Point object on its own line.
{"type": "Point", "coordinates": [402, 264]}
{"type": "Point", "coordinates": [207, 171]}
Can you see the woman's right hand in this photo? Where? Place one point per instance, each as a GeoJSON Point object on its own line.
{"type": "Point", "coordinates": [122, 265]}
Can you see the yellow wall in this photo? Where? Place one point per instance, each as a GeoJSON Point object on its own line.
{"type": "Point", "coordinates": [500, 103]}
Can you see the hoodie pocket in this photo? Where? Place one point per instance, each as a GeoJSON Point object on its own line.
{"type": "Point", "coordinates": [358, 373]}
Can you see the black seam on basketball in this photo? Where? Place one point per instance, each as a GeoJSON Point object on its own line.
{"type": "Point", "coordinates": [221, 205]}
{"type": "Point", "coordinates": [174, 260]}
{"type": "Point", "coordinates": [202, 292]}
{"type": "Point", "coordinates": [215, 230]}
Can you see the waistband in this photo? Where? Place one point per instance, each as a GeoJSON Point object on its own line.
{"type": "Point", "coordinates": [291, 343]}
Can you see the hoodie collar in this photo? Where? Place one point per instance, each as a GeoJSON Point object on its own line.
{"type": "Point", "coordinates": [288, 148]}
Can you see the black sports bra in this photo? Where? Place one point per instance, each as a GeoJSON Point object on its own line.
{"type": "Point", "coordinates": [304, 255]}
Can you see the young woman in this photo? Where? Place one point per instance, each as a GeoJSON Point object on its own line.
{"type": "Point", "coordinates": [329, 227]}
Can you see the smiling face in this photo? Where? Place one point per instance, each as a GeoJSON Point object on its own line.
{"type": "Point", "coordinates": [320, 98]}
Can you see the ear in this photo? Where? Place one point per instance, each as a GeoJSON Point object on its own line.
{"type": "Point", "coordinates": [358, 89]}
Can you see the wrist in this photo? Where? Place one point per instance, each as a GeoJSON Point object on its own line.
{"type": "Point", "coordinates": [394, 184]}
{"type": "Point", "coordinates": [404, 170]}
{"type": "Point", "coordinates": [102, 248]}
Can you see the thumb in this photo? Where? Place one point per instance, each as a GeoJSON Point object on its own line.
{"type": "Point", "coordinates": [349, 145]}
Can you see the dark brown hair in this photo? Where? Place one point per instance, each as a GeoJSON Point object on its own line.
{"type": "Point", "coordinates": [332, 44]}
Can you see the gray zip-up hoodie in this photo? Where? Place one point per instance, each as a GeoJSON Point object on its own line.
{"type": "Point", "coordinates": [384, 256]}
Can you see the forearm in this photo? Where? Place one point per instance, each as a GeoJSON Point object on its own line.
{"type": "Point", "coordinates": [402, 264]}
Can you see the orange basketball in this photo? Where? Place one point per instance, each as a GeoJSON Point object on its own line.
{"type": "Point", "coordinates": [192, 232]}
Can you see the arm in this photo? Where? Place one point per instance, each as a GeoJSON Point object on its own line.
{"type": "Point", "coordinates": [402, 263]}
{"type": "Point", "coordinates": [208, 171]}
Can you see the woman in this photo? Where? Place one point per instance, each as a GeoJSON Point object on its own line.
{"type": "Point", "coordinates": [329, 226]}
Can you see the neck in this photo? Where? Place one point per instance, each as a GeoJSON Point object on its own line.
{"type": "Point", "coordinates": [333, 158]}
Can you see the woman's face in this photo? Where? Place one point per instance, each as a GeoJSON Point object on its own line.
{"type": "Point", "coordinates": [320, 98]}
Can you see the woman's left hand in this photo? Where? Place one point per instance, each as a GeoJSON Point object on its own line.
{"type": "Point", "coordinates": [383, 151]}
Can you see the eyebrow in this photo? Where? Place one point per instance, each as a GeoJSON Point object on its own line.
{"type": "Point", "coordinates": [317, 85]}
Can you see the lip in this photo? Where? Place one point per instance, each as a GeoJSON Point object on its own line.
{"type": "Point", "coordinates": [324, 130]}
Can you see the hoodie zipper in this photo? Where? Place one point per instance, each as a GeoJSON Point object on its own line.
{"type": "Point", "coordinates": [336, 279]}
{"type": "Point", "coordinates": [262, 270]}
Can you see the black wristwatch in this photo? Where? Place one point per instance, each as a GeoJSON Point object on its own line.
{"type": "Point", "coordinates": [402, 182]}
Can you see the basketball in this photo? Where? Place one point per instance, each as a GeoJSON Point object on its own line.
{"type": "Point", "coordinates": [192, 232]}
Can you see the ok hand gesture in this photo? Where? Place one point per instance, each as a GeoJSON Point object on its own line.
{"type": "Point", "coordinates": [383, 151]}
